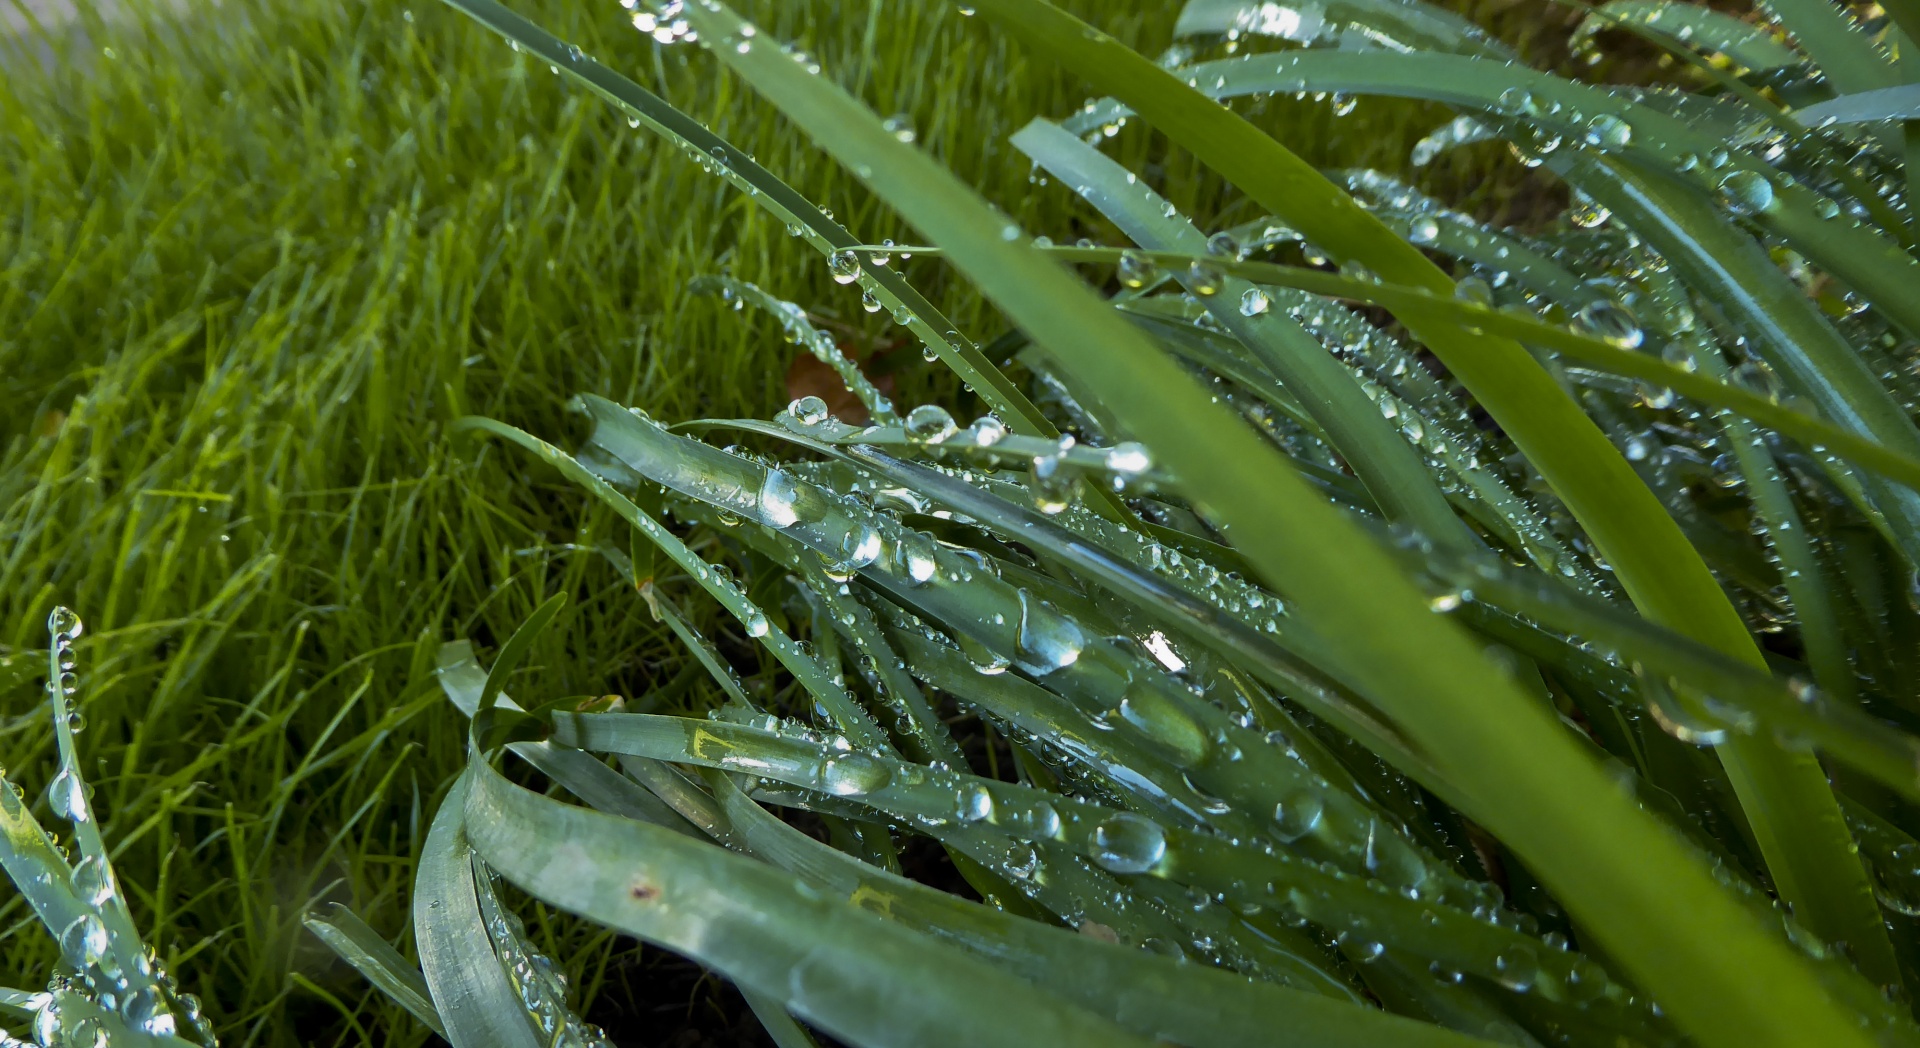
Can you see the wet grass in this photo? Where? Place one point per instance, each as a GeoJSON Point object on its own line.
{"type": "Point", "coordinates": [251, 265]}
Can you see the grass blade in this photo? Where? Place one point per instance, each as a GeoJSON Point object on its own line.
{"type": "Point", "coordinates": [832, 964]}
{"type": "Point", "coordinates": [372, 956]}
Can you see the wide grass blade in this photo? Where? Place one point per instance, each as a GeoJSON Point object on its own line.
{"type": "Point", "coordinates": [834, 965]}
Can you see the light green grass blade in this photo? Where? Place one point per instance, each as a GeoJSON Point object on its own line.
{"type": "Point", "coordinates": [837, 967]}
{"type": "Point", "coordinates": [470, 990]}
{"type": "Point", "coordinates": [372, 956]}
{"type": "Point", "coordinates": [1888, 103]}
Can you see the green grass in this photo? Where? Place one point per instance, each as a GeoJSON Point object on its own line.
{"type": "Point", "coordinates": [253, 264]}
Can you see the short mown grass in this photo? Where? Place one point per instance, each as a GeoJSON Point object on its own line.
{"type": "Point", "coordinates": [252, 263]}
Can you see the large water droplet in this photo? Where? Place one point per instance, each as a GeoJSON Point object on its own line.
{"type": "Point", "coordinates": [84, 942]}
{"type": "Point", "coordinates": [809, 411]}
{"type": "Point", "coordinates": [972, 803]}
{"type": "Point", "coordinates": [1297, 814]}
{"type": "Point", "coordinates": [64, 622]}
{"type": "Point", "coordinates": [1136, 270]}
{"type": "Point", "coordinates": [929, 424]}
{"type": "Point", "coordinates": [94, 881]}
{"type": "Point", "coordinates": [1203, 278]}
{"type": "Point", "coordinates": [1608, 132]}
{"type": "Point", "coordinates": [67, 796]}
{"type": "Point", "coordinates": [1130, 457]}
{"type": "Point", "coordinates": [854, 774]}
{"type": "Point", "coordinates": [1612, 322]}
{"type": "Point", "coordinates": [1129, 843]}
{"type": "Point", "coordinates": [1518, 968]}
{"type": "Point", "coordinates": [844, 266]}
{"type": "Point", "coordinates": [1254, 302]}
{"type": "Point", "coordinates": [779, 499]}
{"type": "Point", "coordinates": [1047, 641]}
{"type": "Point", "coordinates": [755, 622]}
{"type": "Point", "coordinates": [1746, 192]}
{"type": "Point", "coordinates": [1170, 728]}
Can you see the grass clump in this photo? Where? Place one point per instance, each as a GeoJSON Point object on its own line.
{"type": "Point", "coordinates": [1343, 616]}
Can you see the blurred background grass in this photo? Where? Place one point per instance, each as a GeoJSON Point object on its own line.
{"type": "Point", "coordinates": [253, 260]}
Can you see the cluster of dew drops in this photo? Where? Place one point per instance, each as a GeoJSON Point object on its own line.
{"type": "Point", "coordinates": [92, 968]}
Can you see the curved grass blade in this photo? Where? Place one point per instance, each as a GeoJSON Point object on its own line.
{"type": "Point", "coordinates": [1889, 461]}
{"type": "Point", "coordinates": [462, 679]}
{"type": "Point", "coordinates": [515, 649]}
{"type": "Point", "coordinates": [837, 967]}
{"type": "Point", "coordinates": [359, 945]}
{"type": "Point", "coordinates": [470, 990]}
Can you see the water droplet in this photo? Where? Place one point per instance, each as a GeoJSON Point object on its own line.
{"type": "Point", "coordinates": [900, 127]}
{"type": "Point", "coordinates": [64, 623]}
{"type": "Point", "coordinates": [1611, 322]}
{"type": "Point", "coordinates": [1746, 192]}
{"type": "Point", "coordinates": [1129, 843]}
{"type": "Point", "coordinates": [779, 499]}
{"type": "Point", "coordinates": [1518, 968]}
{"type": "Point", "coordinates": [1223, 245]}
{"type": "Point", "coordinates": [84, 941]}
{"type": "Point", "coordinates": [988, 431]}
{"type": "Point", "coordinates": [1203, 278]}
{"type": "Point", "coordinates": [1170, 728]}
{"type": "Point", "coordinates": [1515, 101]}
{"type": "Point", "coordinates": [1297, 814]}
{"type": "Point", "coordinates": [929, 424]}
{"type": "Point", "coordinates": [1608, 132]}
{"type": "Point", "coordinates": [755, 622]}
{"type": "Point", "coordinates": [869, 301]}
{"type": "Point", "coordinates": [1254, 302]}
{"type": "Point", "coordinates": [1135, 269]}
{"type": "Point", "coordinates": [844, 265]}
{"type": "Point", "coordinates": [1423, 229]}
{"type": "Point", "coordinates": [1047, 641]}
{"type": "Point", "coordinates": [1129, 456]}
{"type": "Point", "coordinates": [916, 560]}
{"type": "Point", "coordinates": [94, 881]}
{"type": "Point", "coordinates": [972, 803]}
{"type": "Point", "coordinates": [67, 796]}
{"type": "Point", "coordinates": [853, 775]}
{"type": "Point", "coordinates": [808, 411]}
